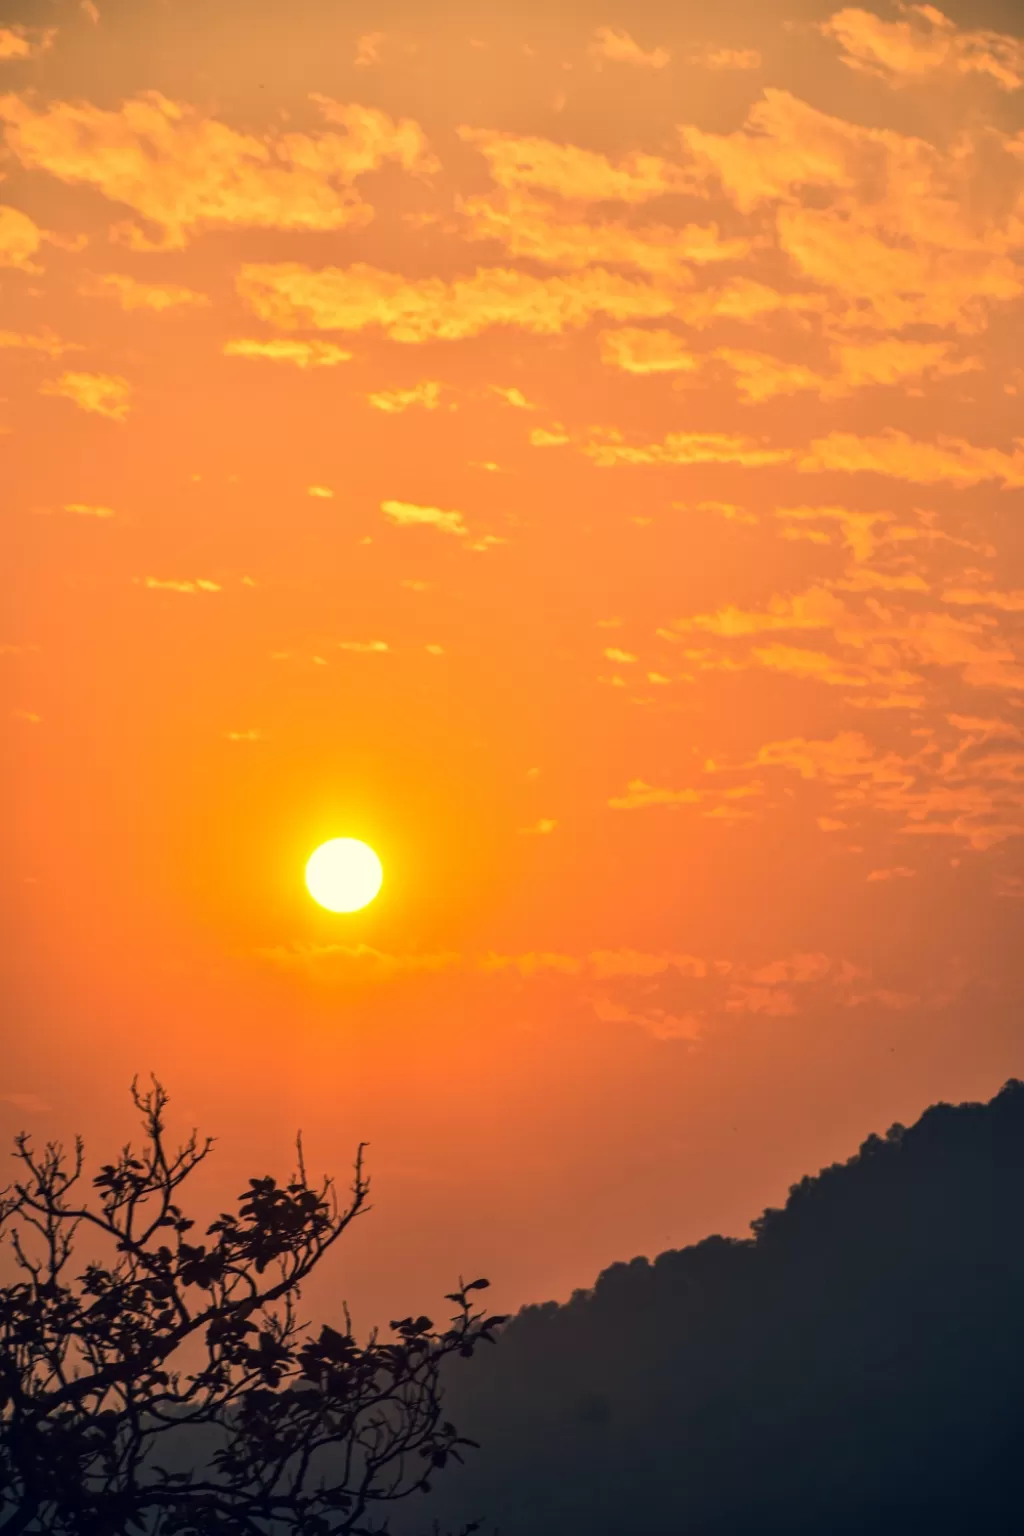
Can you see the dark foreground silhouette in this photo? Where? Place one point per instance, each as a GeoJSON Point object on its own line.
{"type": "Point", "coordinates": [857, 1366]}
{"type": "Point", "coordinates": [162, 1382]}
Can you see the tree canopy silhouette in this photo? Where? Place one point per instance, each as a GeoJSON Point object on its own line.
{"type": "Point", "coordinates": [857, 1365]}
{"type": "Point", "coordinates": [168, 1385]}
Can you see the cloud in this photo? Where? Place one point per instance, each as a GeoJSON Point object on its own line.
{"type": "Point", "coordinates": [723, 804]}
{"type": "Point", "coordinates": [889, 361]}
{"type": "Point", "coordinates": [636, 350]}
{"type": "Point", "coordinates": [796, 969]}
{"type": "Point", "coordinates": [290, 295]}
{"type": "Point", "coordinates": [427, 394]}
{"type": "Point", "coordinates": [631, 962]}
{"type": "Point", "coordinates": [540, 828]}
{"type": "Point", "coordinates": [727, 509]}
{"type": "Point", "coordinates": [846, 758]}
{"type": "Point", "coordinates": [952, 460]}
{"type": "Point", "coordinates": [621, 48]}
{"type": "Point", "coordinates": [926, 43]}
{"type": "Point", "coordinates": [970, 597]}
{"type": "Point", "coordinates": [640, 794]}
{"type": "Point", "coordinates": [783, 145]}
{"type": "Point", "coordinates": [535, 231]}
{"type": "Point", "coordinates": [893, 277]}
{"type": "Point", "coordinates": [45, 341]}
{"type": "Point", "coordinates": [517, 161]}
{"type": "Point", "coordinates": [607, 447]}
{"type": "Point", "coordinates": [131, 294]}
{"type": "Point", "coordinates": [745, 300]}
{"type": "Point", "coordinates": [963, 778]}
{"type": "Point", "coordinates": [323, 492]}
{"type": "Point", "coordinates": [891, 224]}
{"type": "Point", "coordinates": [408, 515]}
{"type": "Point", "coordinates": [862, 533]}
{"type": "Point", "coordinates": [513, 396]}
{"type": "Point", "coordinates": [892, 360]}
{"type": "Point", "coordinates": [778, 988]}
{"type": "Point", "coordinates": [368, 48]}
{"type": "Point", "coordinates": [549, 437]}
{"type": "Point", "coordinates": [671, 995]}
{"type": "Point", "coordinates": [896, 872]}
{"type": "Point", "coordinates": [761, 377]}
{"type": "Point", "coordinates": [359, 959]}
{"type": "Point", "coordinates": [102, 394]}
{"type": "Point", "coordinates": [25, 42]}
{"type": "Point", "coordinates": [729, 58]}
{"type": "Point", "coordinates": [658, 1022]}
{"type": "Point", "coordinates": [19, 239]}
{"type": "Point", "coordinates": [864, 644]}
{"type": "Point", "coordinates": [286, 349]}
{"type": "Point", "coordinates": [171, 584]}
{"type": "Point", "coordinates": [817, 608]}
{"type": "Point", "coordinates": [180, 171]}
{"type": "Point", "coordinates": [87, 509]}
{"type": "Point", "coordinates": [364, 647]}
{"type": "Point", "coordinates": [600, 965]}
{"type": "Point", "coordinates": [823, 667]}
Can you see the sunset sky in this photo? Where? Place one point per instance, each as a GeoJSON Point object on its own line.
{"type": "Point", "coordinates": [578, 450]}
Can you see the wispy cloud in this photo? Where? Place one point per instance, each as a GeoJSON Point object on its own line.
{"type": "Point", "coordinates": [130, 293]}
{"type": "Point", "coordinates": [729, 58]}
{"type": "Point", "coordinates": [290, 295]}
{"type": "Point", "coordinates": [101, 394]}
{"type": "Point", "coordinates": [518, 162]}
{"type": "Point", "coordinates": [621, 48]}
{"type": "Point", "coordinates": [408, 514]}
{"type": "Point", "coordinates": [393, 401]}
{"type": "Point", "coordinates": [287, 349]}
{"type": "Point", "coordinates": [45, 341]}
{"type": "Point", "coordinates": [638, 350]}
{"type": "Point", "coordinates": [952, 460]}
{"type": "Point", "coordinates": [88, 509]}
{"type": "Point", "coordinates": [608, 446]}
{"type": "Point", "coordinates": [25, 42]}
{"type": "Point", "coordinates": [20, 239]}
{"type": "Point", "coordinates": [175, 584]}
{"type": "Point", "coordinates": [925, 43]}
{"type": "Point", "coordinates": [181, 171]}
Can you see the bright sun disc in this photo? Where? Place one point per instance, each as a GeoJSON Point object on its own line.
{"type": "Point", "coordinates": [344, 874]}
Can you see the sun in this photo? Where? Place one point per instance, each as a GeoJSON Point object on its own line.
{"type": "Point", "coordinates": [344, 874]}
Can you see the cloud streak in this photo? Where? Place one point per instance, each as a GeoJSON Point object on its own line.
{"type": "Point", "coordinates": [180, 171]}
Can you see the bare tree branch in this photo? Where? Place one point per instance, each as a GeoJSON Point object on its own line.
{"type": "Point", "coordinates": [104, 1374]}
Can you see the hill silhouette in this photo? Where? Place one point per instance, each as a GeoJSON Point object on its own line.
{"type": "Point", "coordinates": [855, 1366]}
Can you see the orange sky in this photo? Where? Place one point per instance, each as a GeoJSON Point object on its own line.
{"type": "Point", "coordinates": [580, 452]}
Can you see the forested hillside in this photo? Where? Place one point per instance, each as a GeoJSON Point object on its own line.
{"type": "Point", "coordinates": [856, 1365]}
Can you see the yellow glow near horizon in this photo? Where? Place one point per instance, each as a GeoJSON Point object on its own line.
{"type": "Point", "coordinates": [343, 874]}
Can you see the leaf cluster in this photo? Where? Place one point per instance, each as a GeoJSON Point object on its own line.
{"type": "Point", "coordinates": [168, 1386]}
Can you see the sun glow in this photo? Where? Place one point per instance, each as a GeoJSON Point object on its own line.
{"type": "Point", "coordinates": [343, 874]}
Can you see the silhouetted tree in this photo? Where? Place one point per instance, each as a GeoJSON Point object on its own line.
{"type": "Point", "coordinates": [169, 1387]}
